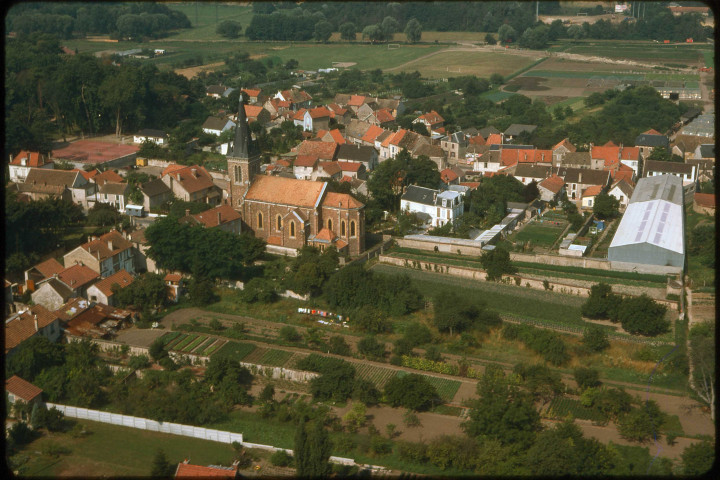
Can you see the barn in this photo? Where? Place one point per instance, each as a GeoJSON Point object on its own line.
{"type": "Point", "coordinates": [652, 230]}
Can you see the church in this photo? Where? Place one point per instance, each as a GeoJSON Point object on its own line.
{"type": "Point", "coordinates": [288, 213]}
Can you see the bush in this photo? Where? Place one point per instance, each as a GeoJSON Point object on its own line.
{"type": "Point", "coordinates": [281, 459]}
{"type": "Point", "coordinates": [586, 377]}
{"type": "Point", "coordinates": [371, 348]}
{"type": "Point", "coordinates": [595, 338]}
{"type": "Point", "coordinates": [411, 391]}
{"type": "Point", "coordinates": [338, 346]}
{"type": "Point", "coordinates": [259, 289]}
{"type": "Point", "coordinates": [138, 362]}
{"type": "Point", "coordinates": [642, 315]}
{"type": "Point", "coordinates": [290, 334]}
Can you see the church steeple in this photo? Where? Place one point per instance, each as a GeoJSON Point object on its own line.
{"type": "Point", "coordinates": [244, 159]}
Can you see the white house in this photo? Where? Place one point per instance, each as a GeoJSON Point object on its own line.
{"type": "Point", "coordinates": [21, 164]}
{"type": "Point", "coordinates": [216, 126]}
{"type": "Point", "coordinates": [622, 191]}
{"type": "Point", "coordinates": [434, 207]}
{"type": "Point", "coordinates": [158, 137]}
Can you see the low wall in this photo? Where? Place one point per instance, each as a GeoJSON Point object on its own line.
{"type": "Point", "coordinates": [280, 372]}
{"type": "Point", "coordinates": [278, 250]}
{"type": "Point", "coordinates": [442, 247]}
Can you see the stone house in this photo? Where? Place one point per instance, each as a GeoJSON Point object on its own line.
{"type": "Point", "coordinates": [101, 292]}
{"type": "Point", "coordinates": [105, 255]}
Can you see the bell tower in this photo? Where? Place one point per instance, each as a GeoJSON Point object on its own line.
{"type": "Point", "coordinates": [243, 161]}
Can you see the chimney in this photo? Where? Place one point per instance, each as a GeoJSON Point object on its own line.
{"type": "Point", "coordinates": [37, 328]}
{"type": "Point", "coordinates": [194, 172]}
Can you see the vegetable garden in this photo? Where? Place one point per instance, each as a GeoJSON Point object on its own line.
{"type": "Point", "coordinates": [191, 343]}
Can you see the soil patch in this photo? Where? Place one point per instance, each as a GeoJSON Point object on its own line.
{"type": "Point", "coordinates": [531, 84]}
{"type": "Point", "coordinates": [191, 73]}
{"type": "Point", "coordinates": [343, 64]}
{"type": "Point", "coordinates": [551, 99]}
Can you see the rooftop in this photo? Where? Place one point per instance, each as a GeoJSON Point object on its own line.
{"type": "Point", "coordinates": [93, 152]}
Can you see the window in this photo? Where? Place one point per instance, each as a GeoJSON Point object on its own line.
{"type": "Point", "coordinates": [259, 220]}
{"type": "Point", "coordinates": [238, 174]}
{"type": "Point", "coordinates": [352, 229]}
{"type": "Point", "coordinates": [342, 228]}
{"type": "Point", "coordinates": [279, 222]}
{"type": "Point", "coordinates": [329, 224]}
{"type": "Point", "coordinates": [292, 229]}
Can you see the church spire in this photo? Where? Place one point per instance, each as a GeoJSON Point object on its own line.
{"type": "Point", "coordinates": [242, 134]}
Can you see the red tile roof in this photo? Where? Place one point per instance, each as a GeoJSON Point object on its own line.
{"type": "Point", "coordinates": [193, 178]}
{"type": "Point", "coordinates": [350, 166]}
{"type": "Point", "coordinates": [252, 92]}
{"type": "Point", "coordinates": [188, 470]}
{"type": "Point", "coordinates": [173, 277]}
{"type": "Point", "coordinates": [341, 200]}
{"type": "Point", "coordinates": [384, 116]}
{"type": "Point", "coordinates": [592, 191]}
{"type": "Point", "coordinates": [565, 143]}
{"type": "Point", "coordinates": [87, 175]}
{"type": "Point", "coordinates": [285, 191]}
{"type": "Point", "coordinates": [356, 100]}
{"type": "Point", "coordinates": [431, 117]}
{"type": "Point", "coordinates": [284, 163]}
{"type": "Point", "coordinates": [448, 175]}
{"type": "Point", "coordinates": [470, 185]}
{"type": "Point", "coordinates": [32, 159]}
{"type": "Point", "coordinates": [372, 133]}
{"type": "Point", "coordinates": [22, 327]}
{"type": "Point", "coordinates": [305, 161]}
{"type": "Point", "coordinates": [330, 168]}
{"type": "Point", "coordinates": [395, 139]}
{"type": "Point", "coordinates": [494, 139]}
{"type": "Point", "coordinates": [553, 183]}
{"type": "Point", "coordinates": [22, 388]}
{"type": "Point", "coordinates": [252, 111]}
{"type": "Point", "coordinates": [610, 154]}
{"type": "Point", "coordinates": [630, 153]}
{"type": "Point", "coordinates": [173, 167]}
{"type": "Point", "coordinates": [300, 114]}
{"type": "Point", "coordinates": [319, 112]}
{"type": "Point", "coordinates": [217, 216]}
{"type": "Point", "coordinates": [90, 151]}
{"type": "Point", "coordinates": [345, 178]}
{"type": "Point", "coordinates": [652, 131]}
{"type": "Point", "coordinates": [49, 267]}
{"type": "Point", "coordinates": [100, 245]}
{"type": "Point", "coordinates": [337, 136]}
{"type": "Point", "coordinates": [610, 143]}
{"type": "Point", "coordinates": [122, 278]}
{"type": "Point", "coordinates": [476, 140]}
{"type": "Point", "coordinates": [322, 150]}
{"type": "Point", "coordinates": [77, 276]}
{"type": "Point", "coordinates": [108, 176]}
{"type": "Point", "coordinates": [623, 173]}
{"type": "Point", "coordinates": [705, 199]}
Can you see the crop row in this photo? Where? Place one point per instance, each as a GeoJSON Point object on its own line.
{"type": "Point", "coordinates": [186, 341]}
{"type": "Point", "coordinates": [236, 351]}
{"type": "Point", "coordinates": [377, 375]}
{"type": "Point", "coordinates": [275, 358]}
{"type": "Point", "coordinates": [169, 337]}
{"type": "Point", "coordinates": [445, 387]}
{"type": "Point", "coordinates": [212, 347]}
{"type": "Point", "coordinates": [201, 348]}
{"type": "Point", "coordinates": [560, 407]}
{"type": "Point", "coordinates": [173, 343]}
{"type": "Point", "coordinates": [195, 343]}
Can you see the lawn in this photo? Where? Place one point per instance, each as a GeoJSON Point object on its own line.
{"type": "Point", "coordinates": [458, 63]}
{"type": "Point", "coordinates": [111, 450]}
{"type": "Point", "coordinates": [505, 299]}
{"type": "Point", "coordinates": [540, 234]}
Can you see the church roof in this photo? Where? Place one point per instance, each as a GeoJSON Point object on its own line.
{"type": "Point", "coordinates": [285, 191]}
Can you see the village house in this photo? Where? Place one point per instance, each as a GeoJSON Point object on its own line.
{"type": "Point", "coordinates": [333, 135]}
{"type": "Point", "coordinates": [685, 171]}
{"type": "Point", "coordinates": [257, 113]}
{"type": "Point", "coordinates": [216, 126]}
{"type": "Point", "coordinates": [115, 194]}
{"type": "Point", "coordinates": [589, 195]}
{"type": "Point", "coordinates": [622, 191]}
{"type": "Point", "coordinates": [38, 179]}
{"type": "Point", "coordinates": [432, 120]}
{"type": "Point", "coordinates": [38, 320]}
{"type": "Point", "coordinates": [454, 145]}
{"type": "Point", "coordinates": [21, 164]}
{"type": "Point", "coordinates": [289, 213]}
{"type": "Point", "coordinates": [356, 130]}
{"type": "Point", "coordinates": [432, 207]}
{"type": "Point", "coordinates": [223, 217]}
{"type": "Point", "coordinates": [648, 141]}
{"type": "Point", "coordinates": [155, 193]}
{"type": "Point", "coordinates": [253, 95]}
{"type": "Point", "coordinates": [551, 188]}
{"type": "Point", "coordinates": [218, 91]}
{"type": "Point", "coordinates": [174, 284]}
{"type": "Point", "coordinates": [141, 245]}
{"type": "Point", "coordinates": [581, 160]}
{"type": "Point", "coordinates": [19, 391]}
{"type": "Point", "coordinates": [297, 99]}
{"type": "Point", "coordinates": [516, 129]}
{"type": "Point", "coordinates": [527, 173]}
{"type": "Point", "coordinates": [158, 137]}
{"type": "Point", "coordinates": [327, 171]}
{"type": "Point", "coordinates": [305, 166]}
{"type": "Point", "coordinates": [374, 136]}
{"type": "Point", "coordinates": [105, 255]}
{"type": "Point", "coordinates": [192, 184]}
{"type": "Point", "coordinates": [704, 203]}
{"type": "Point", "coordinates": [367, 155]}
{"type": "Point", "coordinates": [97, 321]}
{"type": "Point", "coordinates": [101, 292]}
{"type": "Point", "coordinates": [578, 179]}
{"type": "Point", "coordinates": [341, 115]}
{"type": "Point", "coordinates": [41, 271]}
{"type": "Point", "coordinates": [561, 150]}
{"type": "Point", "coordinates": [313, 120]}
{"type": "Point", "coordinates": [353, 170]}
{"type": "Point", "coordinates": [72, 281]}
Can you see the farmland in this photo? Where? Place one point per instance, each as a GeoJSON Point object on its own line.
{"type": "Point", "coordinates": [540, 234]}
{"type": "Point", "coordinates": [690, 55]}
{"type": "Point", "coordinates": [561, 407]}
{"type": "Point", "coordinates": [462, 62]}
{"type": "Point", "coordinates": [377, 375]}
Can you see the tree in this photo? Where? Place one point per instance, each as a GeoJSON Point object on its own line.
{"type": "Point", "coordinates": [348, 31]}
{"type": "Point", "coordinates": [373, 33]}
{"type": "Point", "coordinates": [530, 192]}
{"type": "Point", "coordinates": [260, 289]}
{"type": "Point", "coordinates": [323, 31]}
{"type": "Point", "coordinates": [507, 34]}
{"type": "Point", "coordinates": [702, 358]}
{"type": "Point", "coordinates": [497, 263]}
{"type": "Point", "coordinates": [413, 30]}
{"type": "Point", "coordinates": [338, 346]}
{"type": "Point", "coordinates": [490, 39]}
{"type": "Point", "coordinates": [371, 348]}
{"type": "Point", "coordinates": [575, 32]}
{"type": "Point", "coordinates": [389, 26]}
{"type": "Point", "coordinates": [595, 338]}
{"type": "Point", "coordinates": [33, 356]}
{"type": "Point", "coordinates": [642, 315]}
{"type": "Point", "coordinates": [455, 313]}
{"type": "Point", "coordinates": [157, 350]}
{"type": "Point", "coordinates": [52, 419]}
{"type": "Point", "coordinates": [229, 29]}
{"type": "Point", "coordinates": [268, 394]}
{"type": "Point", "coordinates": [161, 467]}
{"type": "Point", "coordinates": [496, 78]}
{"type": "Point", "coordinates": [502, 412]}
{"type": "Point", "coordinates": [601, 303]}
{"type": "Point", "coordinates": [411, 391]}
{"type": "Point", "coordinates": [120, 93]}
{"type": "Point", "coordinates": [606, 206]}
{"type": "Point", "coordinates": [698, 458]}
{"type": "Point", "coordinates": [586, 377]}
{"type": "Point", "coordinates": [356, 417]}
{"type": "Point", "coordinates": [201, 291]}
{"type": "Point", "coordinates": [312, 450]}
{"type": "Point", "coordinates": [637, 425]}
{"type": "Point", "coordinates": [146, 292]}
{"type": "Point", "coordinates": [535, 38]}
{"type": "Point", "coordinates": [541, 382]}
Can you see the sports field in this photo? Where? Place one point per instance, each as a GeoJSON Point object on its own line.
{"type": "Point", "coordinates": [457, 63]}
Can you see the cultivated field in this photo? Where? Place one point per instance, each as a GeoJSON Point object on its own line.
{"type": "Point", "coordinates": [685, 54]}
{"type": "Point", "coordinates": [460, 62]}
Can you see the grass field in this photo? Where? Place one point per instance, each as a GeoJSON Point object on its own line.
{"type": "Point", "coordinates": [458, 63]}
{"type": "Point", "coordinates": [539, 234]}
{"type": "Point", "coordinates": [504, 299]}
{"type": "Point", "coordinates": [681, 54]}
{"type": "Point", "coordinates": [111, 450]}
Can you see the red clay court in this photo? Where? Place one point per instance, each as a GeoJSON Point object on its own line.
{"type": "Point", "coordinates": [93, 152]}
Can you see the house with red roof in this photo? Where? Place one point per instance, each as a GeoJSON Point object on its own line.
{"type": "Point", "coordinates": [561, 149]}
{"type": "Point", "coordinates": [328, 170]}
{"type": "Point", "coordinates": [704, 203]}
{"type": "Point", "coordinates": [41, 271]}
{"type": "Point", "coordinates": [253, 94]}
{"type": "Point", "coordinates": [257, 113]}
{"type": "Point", "coordinates": [296, 99]}
{"type": "Point", "coordinates": [43, 183]}
{"type": "Point", "coordinates": [105, 255]}
{"type": "Point", "coordinates": [353, 169]}
{"type": "Point", "coordinates": [432, 120]}
{"type": "Point", "coordinates": [97, 321]}
{"type": "Point", "coordinates": [449, 177]}
{"type": "Point", "coordinates": [340, 114]}
{"type": "Point", "coordinates": [325, 151]}
{"type": "Point", "coordinates": [192, 184]}
{"type": "Point", "coordinates": [223, 217]}
{"type": "Point", "coordinates": [333, 135]}
{"type": "Point", "coordinates": [587, 199]}
{"type": "Point", "coordinates": [313, 119]}
{"type": "Point", "coordinates": [73, 281]}
{"type": "Point", "coordinates": [19, 391]}
{"type": "Point", "coordinates": [22, 326]}
{"type": "Point", "coordinates": [102, 291]}
{"type": "Point", "coordinates": [174, 283]}
{"type": "Point", "coordinates": [551, 188]}
{"type": "Point", "coordinates": [187, 470]}
{"type": "Point", "coordinates": [494, 139]}
{"type": "Point", "coordinates": [622, 190]}
{"type": "Point", "coordinates": [21, 164]}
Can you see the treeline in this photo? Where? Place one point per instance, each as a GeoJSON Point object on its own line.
{"type": "Point", "coordinates": [296, 24]}
{"type": "Point", "coordinates": [137, 19]}
{"type": "Point", "coordinates": [48, 93]}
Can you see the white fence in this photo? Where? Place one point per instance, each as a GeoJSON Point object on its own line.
{"type": "Point", "coordinates": [147, 424]}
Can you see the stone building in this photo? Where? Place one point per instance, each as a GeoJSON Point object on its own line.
{"type": "Point", "coordinates": [288, 213]}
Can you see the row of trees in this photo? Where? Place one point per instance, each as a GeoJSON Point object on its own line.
{"type": "Point", "coordinates": [119, 20]}
{"type": "Point", "coordinates": [637, 315]}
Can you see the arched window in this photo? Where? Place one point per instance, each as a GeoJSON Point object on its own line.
{"type": "Point", "coordinates": [352, 229]}
{"type": "Point", "coordinates": [238, 174]}
{"type": "Point", "coordinates": [342, 228]}
{"type": "Point", "coordinates": [329, 223]}
{"type": "Point", "coordinates": [292, 229]}
{"type": "Point", "coordinates": [260, 220]}
{"type": "Point", "coordinates": [279, 222]}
